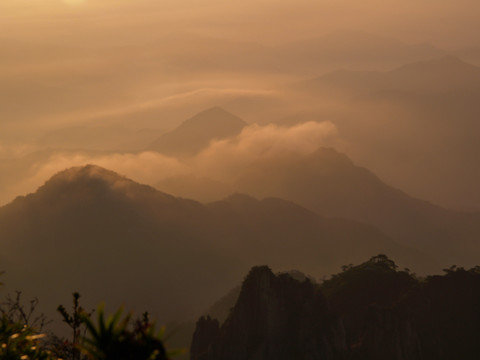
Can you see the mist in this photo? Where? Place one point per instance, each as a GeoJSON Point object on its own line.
{"type": "Point", "coordinates": [172, 145]}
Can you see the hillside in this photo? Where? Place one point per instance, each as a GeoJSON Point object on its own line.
{"type": "Point", "coordinates": [329, 183]}
{"type": "Point", "coordinates": [423, 117]}
{"type": "Point", "coordinates": [88, 227]}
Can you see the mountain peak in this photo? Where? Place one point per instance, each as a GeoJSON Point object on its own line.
{"type": "Point", "coordinates": [213, 116]}
{"type": "Point", "coordinates": [91, 181]}
{"type": "Point", "coordinates": [443, 65]}
{"type": "Point", "coordinates": [214, 110]}
{"type": "Point", "coordinates": [195, 133]}
{"type": "Point", "coordinates": [85, 173]}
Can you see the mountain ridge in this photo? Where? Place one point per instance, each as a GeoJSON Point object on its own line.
{"type": "Point", "coordinates": [81, 231]}
{"type": "Point", "coordinates": [197, 132]}
{"type": "Point", "coordinates": [446, 73]}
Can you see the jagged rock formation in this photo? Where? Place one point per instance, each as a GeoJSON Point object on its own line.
{"type": "Point", "coordinates": [367, 312]}
{"type": "Point", "coordinates": [206, 331]}
{"type": "Point", "coordinates": [276, 317]}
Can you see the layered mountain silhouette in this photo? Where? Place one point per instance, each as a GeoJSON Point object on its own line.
{"type": "Point", "coordinates": [91, 230]}
{"type": "Point", "coordinates": [443, 74]}
{"type": "Point", "coordinates": [197, 132]}
{"type": "Point", "coordinates": [422, 115]}
{"type": "Point", "coordinates": [471, 54]}
{"type": "Point", "coordinates": [357, 49]}
{"type": "Point", "coordinates": [329, 183]}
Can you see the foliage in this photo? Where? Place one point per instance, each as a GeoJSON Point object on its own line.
{"type": "Point", "coordinates": [373, 273]}
{"type": "Point", "coordinates": [71, 349]}
{"type": "Point", "coordinates": [115, 337]}
{"type": "Point", "coordinates": [16, 312]}
{"type": "Point", "coordinates": [20, 342]}
{"type": "Point", "coordinates": [111, 338]}
{"type": "Point", "coordinates": [20, 338]}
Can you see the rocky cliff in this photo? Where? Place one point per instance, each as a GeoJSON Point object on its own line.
{"type": "Point", "coordinates": [372, 311]}
{"type": "Point", "coordinates": [276, 317]}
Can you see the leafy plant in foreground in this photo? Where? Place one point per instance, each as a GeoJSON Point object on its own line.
{"type": "Point", "coordinates": [111, 338]}
{"type": "Point", "coordinates": [19, 340]}
{"type": "Point", "coordinates": [75, 322]}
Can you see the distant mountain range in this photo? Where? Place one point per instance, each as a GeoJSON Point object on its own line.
{"type": "Point", "coordinates": [423, 117]}
{"type": "Point", "coordinates": [330, 184]}
{"type": "Point", "coordinates": [443, 74]}
{"type": "Point", "coordinates": [93, 231]}
{"type": "Point", "coordinates": [355, 49]}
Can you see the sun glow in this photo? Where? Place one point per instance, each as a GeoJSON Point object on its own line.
{"type": "Point", "coordinates": [74, 2]}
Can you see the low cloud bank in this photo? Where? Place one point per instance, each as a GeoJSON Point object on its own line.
{"type": "Point", "coordinates": [223, 160]}
{"type": "Point", "coordinates": [226, 159]}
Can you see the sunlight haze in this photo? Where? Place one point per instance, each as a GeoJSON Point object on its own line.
{"type": "Point", "coordinates": [153, 152]}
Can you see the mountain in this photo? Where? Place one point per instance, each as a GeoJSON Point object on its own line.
{"type": "Point", "coordinates": [423, 117]}
{"type": "Point", "coordinates": [447, 73]}
{"type": "Point", "coordinates": [354, 49]}
{"type": "Point", "coordinates": [90, 230]}
{"type": "Point", "coordinates": [471, 54]}
{"type": "Point", "coordinates": [368, 311]}
{"type": "Point", "coordinates": [295, 231]}
{"type": "Point", "coordinates": [275, 317]}
{"type": "Point", "coordinates": [202, 189]}
{"type": "Point", "coordinates": [330, 184]}
{"type": "Point", "coordinates": [197, 132]}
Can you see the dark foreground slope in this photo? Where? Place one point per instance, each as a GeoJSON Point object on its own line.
{"type": "Point", "coordinates": [90, 230]}
{"type": "Point", "coordinates": [371, 311]}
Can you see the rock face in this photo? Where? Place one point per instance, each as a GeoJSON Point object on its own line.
{"type": "Point", "coordinates": [206, 331]}
{"type": "Point", "coordinates": [276, 317]}
{"type": "Point", "coordinates": [368, 312]}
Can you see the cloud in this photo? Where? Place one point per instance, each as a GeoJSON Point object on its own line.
{"type": "Point", "coordinates": [223, 160]}
{"type": "Point", "coordinates": [226, 159]}
{"type": "Point", "coordinates": [15, 150]}
{"type": "Point", "coordinates": [201, 96]}
{"type": "Point", "coordinates": [146, 168]}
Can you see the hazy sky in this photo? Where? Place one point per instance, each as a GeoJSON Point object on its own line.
{"type": "Point", "coordinates": [63, 60]}
{"type": "Point", "coordinates": [444, 22]}
{"type": "Point", "coordinates": [151, 64]}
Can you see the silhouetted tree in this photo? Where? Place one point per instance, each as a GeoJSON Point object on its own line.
{"type": "Point", "coordinates": [75, 322]}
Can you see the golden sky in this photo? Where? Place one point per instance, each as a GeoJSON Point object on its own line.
{"type": "Point", "coordinates": [443, 22]}
{"type": "Point", "coordinates": [154, 63]}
